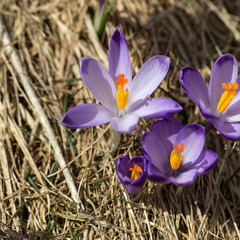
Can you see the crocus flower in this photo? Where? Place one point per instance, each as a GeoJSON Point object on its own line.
{"type": "Point", "coordinates": [175, 153]}
{"type": "Point", "coordinates": [220, 102]}
{"type": "Point", "coordinates": [100, 16]}
{"type": "Point", "coordinates": [132, 173]}
{"type": "Point", "coordinates": [123, 101]}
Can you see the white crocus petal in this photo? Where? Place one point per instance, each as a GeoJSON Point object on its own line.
{"type": "Point", "coordinates": [124, 124]}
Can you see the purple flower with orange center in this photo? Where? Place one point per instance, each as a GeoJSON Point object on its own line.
{"type": "Point", "coordinates": [123, 100]}
{"type": "Point", "coordinates": [132, 173]}
{"type": "Point", "coordinates": [175, 152]}
{"type": "Point", "coordinates": [220, 102]}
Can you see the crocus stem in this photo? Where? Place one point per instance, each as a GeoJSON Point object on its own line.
{"type": "Point", "coordinates": [114, 141]}
{"type": "Point", "coordinates": [208, 127]}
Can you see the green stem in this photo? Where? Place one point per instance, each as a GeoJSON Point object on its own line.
{"type": "Point", "coordinates": [113, 141]}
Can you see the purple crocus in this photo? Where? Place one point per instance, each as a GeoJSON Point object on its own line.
{"type": "Point", "coordinates": [123, 101]}
{"type": "Point", "coordinates": [175, 153]}
{"type": "Point", "coordinates": [220, 102]}
{"type": "Point", "coordinates": [132, 173]}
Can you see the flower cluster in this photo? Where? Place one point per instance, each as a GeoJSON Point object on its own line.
{"type": "Point", "coordinates": [173, 153]}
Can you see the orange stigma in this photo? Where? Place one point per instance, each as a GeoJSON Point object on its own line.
{"type": "Point", "coordinates": [122, 96]}
{"type": "Point", "coordinates": [175, 157]}
{"type": "Point", "coordinates": [227, 96]}
{"type": "Point", "coordinates": [135, 172]}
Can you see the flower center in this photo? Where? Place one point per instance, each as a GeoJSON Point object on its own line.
{"type": "Point", "coordinates": [135, 172]}
{"type": "Point", "coordinates": [175, 157]}
{"type": "Point", "coordinates": [227, 96]}
{"type": "Point", "coordinates": [122, 96]}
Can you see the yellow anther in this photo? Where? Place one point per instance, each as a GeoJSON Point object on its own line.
{"type": "Point", "coordinates": [227, 96]}
{"type": "Point", "coordinates": [122, 96]}
{"type": "Point", "coordinates": [175, 157]}
{"type": "Point", "coordinates": [135, 172]}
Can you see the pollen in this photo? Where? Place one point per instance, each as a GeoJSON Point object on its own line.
{"type": "Point", "coordinates": [135, 172]}
{"type": "Point", "coordinates": [227, 96]}
{"type": "Point", "coordinates": [122, 95]}
{"type": "Point", "coordinates": [175, 157]}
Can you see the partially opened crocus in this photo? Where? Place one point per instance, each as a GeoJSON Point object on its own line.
{"type": "Point", "coordinates": [123, 101]}
{"type": "Point", "coordinates": [132, 173]}
{"type": "Point", "coordinates": [220, 102]}
{"type": "Point", "coordinates": [175, 152]}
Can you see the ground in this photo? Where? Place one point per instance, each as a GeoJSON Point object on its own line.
{"type": "Point", "coordinates": [41, 80]}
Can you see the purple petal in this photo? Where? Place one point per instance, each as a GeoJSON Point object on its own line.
{"type": "Point", "coordinates": [228, 130]}
{"type": "Point", "coordinates": [167, 129]}
{"type": "Point", "coordinates": [101, 2]}
{"type": "Point", "coordinates": [86, 115]}
{"type": "Point", "coordinates": [224, 70]}
{"type": "Point", "coordinates": [193, 137]}
{"type": "Point", "coordinates": [185, 178]}
{"type": "Point", "coordinates": [207, 112]}
{"type": "Point", "coordinates": [155, 151]}
{"type": "Point", "coordinates": [194, 85]}
{"type": "Point", "coordinates": [205, 162]}
{"type": "Point", "coordinates": [156, 107]}
{"type": "Point", "coordinates": [124, 124]}
{"type": "Point", "coordinates": [119, 61]}
{"type": "Point", "coordinates": [232, 112]}
{"type": "Point", "coordinates": [147, 79]}
{"type": "Point", "coordinates": [99, 82]}
{"type": "Point", "coordinates": [155, 175]}
{"type": "Point", "coordinates": [122, 168]}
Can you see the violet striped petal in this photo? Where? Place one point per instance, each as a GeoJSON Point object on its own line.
{"type": "Point", "coordinates": [155, 152]}
{"type": "Point", "coordinates": [147, 80]}
{"type": "Point", "coordinates": [156, 107]}
{"type": "Point", "coordinates": [86, 115]}
{"type": "Point", "coordinates": [228, 130]}
{"type": "Point", "coordinates": [167, 129]}
{"type": "Point", "coordinates": [193, 137]}
{"type": "Point", "coordinates": [99, 82]}
{"type": "Point", "coordinates": [194, 85]}
{"type": "Point", "coordinates": [206, 161]}
{"type": "Point", "coordinates": [119, 61]}
{"type": "Point", "coordinates": [185, 178]}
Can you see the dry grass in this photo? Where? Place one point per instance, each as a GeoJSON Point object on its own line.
{"type": "Point", "coordinates": [50, 37]}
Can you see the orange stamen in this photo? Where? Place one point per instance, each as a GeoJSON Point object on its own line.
{"type": "Point", "coordinates": [175, 157]}
{"type": "Point", "coordinates": [227, 96]}
{"type": "Point", "coordinates": [135, 172]}
{"type": "Point", "coordinates": [122, 96]}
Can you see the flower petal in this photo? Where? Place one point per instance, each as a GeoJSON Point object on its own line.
{"type": "Point", "coordinates": [99, 82]}
{"type": "Point", "coordinates": [228, 130]}
{"type": "Point", "coordinates": [119, 61]}
{"type": "Point", "coordinates": [147, 79]}
{"type": "Point", "coordinates": [167, 129]}
{"type": "Point", "coordinates": [156, 107]}
{"type": "Point", "coordinates": [86, 115]}
{"type": "Point", "coordinates": [207, 112]}
{"type": "Point", "coordinates": [125, 124]}
{"type": "Point", "coordinates": [193, 136]}
{"type": "Point", "coordinates": [155, 175]}
{"type": "Point", "coordinates": [194, 85]}
{"type": "Point", "coordinates": [155, 151]}
{"type": "Point", "coordinates": [224, 70]}
{"type": "Point", "coordinates": [185, 178]}
{"type": "Point", "coordinates": [206, 161]}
